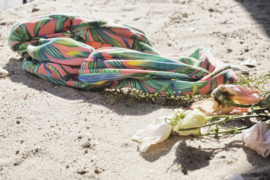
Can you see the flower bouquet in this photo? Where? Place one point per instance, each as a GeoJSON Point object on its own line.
{"type": "Point", "coordinates": [228, 103]}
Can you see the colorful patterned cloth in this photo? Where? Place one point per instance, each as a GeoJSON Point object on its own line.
{"type": "Point", "coordinates": [71, 51]}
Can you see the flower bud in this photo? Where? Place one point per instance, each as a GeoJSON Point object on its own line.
{"type": "Point", "coordinates": [193, 118]}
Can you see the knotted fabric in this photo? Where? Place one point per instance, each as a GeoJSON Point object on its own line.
{"type": "Point", "coordinates": [72, 51]}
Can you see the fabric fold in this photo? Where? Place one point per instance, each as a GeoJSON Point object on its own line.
{"type": "Point", "coordinates": [69, 50]}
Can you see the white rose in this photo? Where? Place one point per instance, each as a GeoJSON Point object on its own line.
{"type": "Point", "coordinates": [154, 133]}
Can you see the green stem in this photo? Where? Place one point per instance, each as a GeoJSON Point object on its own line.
{"type": "Point", "coordinates": [224, 132]}
{"type": "Point", "coordinates": [228, 103]}
{"type": "Point", "coordinates": [228, 118]}
{"type": "Point", "coordinates": [254, 105]}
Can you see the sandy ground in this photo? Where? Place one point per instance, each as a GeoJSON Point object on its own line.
{"type": "Point", "coordinates": [54, 132]}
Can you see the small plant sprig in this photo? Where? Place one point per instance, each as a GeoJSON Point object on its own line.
{"type": "Point", "coordinates": [133, 95]}
{"type": "Point", "coordinates": [255, 81]}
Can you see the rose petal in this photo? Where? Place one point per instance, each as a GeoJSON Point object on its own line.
{"type": "Point", "coordinates": [249, 99]}
{"type": "Point", "coordinates": [258, 138]}
{"type": "Point", "coordinates": [154, 133]}
{"type": "Point", "coordinates": [238, 90]}
{"type": "Point", "coordinates": [207, 106]}
{"type": "Point", "coordinates": [237, 95]}
{"type": "Point", "coordinates": [232, 110]}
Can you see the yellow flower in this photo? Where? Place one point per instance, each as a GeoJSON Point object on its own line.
{"type": "Point", "coordinates": [190, 119]}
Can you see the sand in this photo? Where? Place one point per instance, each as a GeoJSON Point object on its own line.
{"type": "Point", "coordinates": [54, 132]}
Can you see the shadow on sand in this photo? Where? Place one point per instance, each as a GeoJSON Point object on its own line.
{"type": "Point", "coordinates": [190, 158]}
{"type": "Point", "coordinates": [98, 97]}
{"type": "Point", "coordinates": [260, 11]}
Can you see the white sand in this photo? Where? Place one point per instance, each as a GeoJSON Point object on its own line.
{"type": "Point", "coordinates": [54, 132]}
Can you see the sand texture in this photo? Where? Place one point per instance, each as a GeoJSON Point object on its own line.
{"type": "Point", "coordinates": [49, 131]}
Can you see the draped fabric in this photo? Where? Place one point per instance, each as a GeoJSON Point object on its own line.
{"type": "Point", "coordinates": [72, 51]}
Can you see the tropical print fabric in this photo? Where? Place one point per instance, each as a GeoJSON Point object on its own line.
{"type": "Point", "coordinates": [96, 34]}
{"type": "Point", "coordinates": [71, 51]}
{"type": "Point", "coordinates": [117, 67]}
